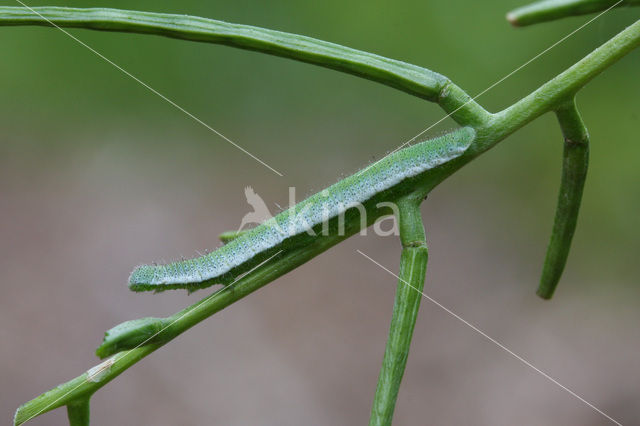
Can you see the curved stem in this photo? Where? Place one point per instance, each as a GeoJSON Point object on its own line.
{"type": "Point", "coordinates": [78, 413]}
{"type": "Point", "coordinates": [409, 78]}
{"type": "Point", "coordinates": [413, 266]}
{"type": "Point", "coordinates": [412, 79]}
{"type": "Point", "coordinates": [574, 173]}
{"type": "Point", "coordinates": [549, 10]}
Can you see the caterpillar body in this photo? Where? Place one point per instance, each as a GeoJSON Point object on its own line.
{"type": "Point", "coordinates": [294, 226]}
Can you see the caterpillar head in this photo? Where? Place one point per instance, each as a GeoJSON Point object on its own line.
{"type": "Point", "coordinates": [142, 277]}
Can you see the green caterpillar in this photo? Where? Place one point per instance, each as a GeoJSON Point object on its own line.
{"type": "Point", "coordinates": [296, 225]}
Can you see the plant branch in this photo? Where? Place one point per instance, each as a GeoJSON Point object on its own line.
{"type": "Point", "coordinates": [81, 388]}
{"type": "Point", "coordinates": [551, 95]}
{"type": "Point", "coordinates": [78, 413]}
{"type": "Point", "coordinates": [548, 97]}
{"type": "Point", "coordinates": [413, 266]}
{"type": "Point", "coordinates": [409, 78]}
{"type": "Point", "coordinates": [574, 173]}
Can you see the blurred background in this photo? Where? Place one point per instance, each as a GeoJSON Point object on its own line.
{"type": "Point", "coordinates": [97, 175]}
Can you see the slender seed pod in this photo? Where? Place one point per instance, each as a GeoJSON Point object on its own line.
{"type": "Point", "coordinates": [574, 173]}
{"type": "Point", "coordinates": [410, 78]}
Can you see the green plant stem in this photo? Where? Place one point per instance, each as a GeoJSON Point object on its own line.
{"type": "Point", "coordinates": [574, 173]}
{"type": "Point", "coordinates": [78, 413]}
{"type": "Point", "coordinates": [548, 97]}
{"type": "Point", "coordinates": [549, 10]}
{"type": "Point", "coordinates": [551, 95]}
{"type": "Point", "coordinates": [409, 78]}
{"type": "Point", "coordinates": [413, 266]}
{"type": "Point", "coordinates": [412, 79]}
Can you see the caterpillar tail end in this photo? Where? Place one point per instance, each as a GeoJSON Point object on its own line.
{"type": "Point", "coordinates": [155, 278]}
{"type": "Point", "coordinates": [132, 334]}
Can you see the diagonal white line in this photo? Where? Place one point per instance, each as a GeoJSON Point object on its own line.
{"type": "Point", "coordinates": [154, 335]}
{"type": "Point", "coordinates": [507, 76]}
{"type": "Point", "coordinates": [492, 340]}
{"type": "Point", "coordinates": [152, 90]}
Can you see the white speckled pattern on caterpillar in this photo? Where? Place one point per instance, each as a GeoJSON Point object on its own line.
{"type": "Point", "coordinates": [356, 189]}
